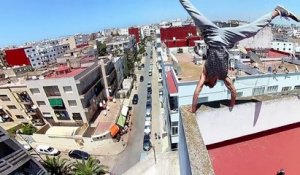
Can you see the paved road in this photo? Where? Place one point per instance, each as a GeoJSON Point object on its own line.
{"type": "Point", "coordinates": [131, 155]}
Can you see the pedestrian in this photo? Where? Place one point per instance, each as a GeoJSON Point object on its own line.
{"type": "Point", "coordinates": [219, 40]}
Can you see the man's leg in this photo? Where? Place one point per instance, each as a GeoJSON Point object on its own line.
{"type": "Point", "coordinates": [200, 20]}
{"type": "Point", "coordinates": [235, 34]}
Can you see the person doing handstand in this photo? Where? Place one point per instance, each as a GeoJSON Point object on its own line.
{"type": "Point", "coordinates": [219, 40]}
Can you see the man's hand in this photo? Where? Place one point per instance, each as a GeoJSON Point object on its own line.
{"type": "Point", "coordinates": [193, 108]}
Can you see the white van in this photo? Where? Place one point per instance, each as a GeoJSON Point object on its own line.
{"type": "Point", "coordinates": [43, 149]}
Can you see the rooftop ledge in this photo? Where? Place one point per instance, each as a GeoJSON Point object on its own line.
{"type": "Point", "coordinates": [214, 123]}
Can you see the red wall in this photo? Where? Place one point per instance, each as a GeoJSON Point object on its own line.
{"type": "Point", "coordinates": [135, 32]}
{"type": "Point", "coordinates": [177, 32]}
{"type": "Point", "coordinates": [181, 34]}
{"type": "Point", "coordinates": [16, 57]}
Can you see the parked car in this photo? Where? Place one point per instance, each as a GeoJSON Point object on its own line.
{"type": "Point", "coordinates": [135, 99]}
{"type": "Point", "coordinates": [146, 143]}
{"type": "Point", "coordinates": [150, 73]}
{"type": "Point", "coordinates": [139, 68]}
{"type": "Point", "coordinates": [43, 149]}
{"type": "Point", "coordinates": [149, 90]}
{"type": "Point", "coordinates": [142, 65]}
{"type": "Point", "coordinates": [148, 109]}
{"type": "Point", "coordinates": [78, 154]}
{"type": "Point", "coordinates": [38, 122]}
{"type": "Point", "coordinates": [147, 130]}
{"type": "Point", "coordinates": [141, 78]}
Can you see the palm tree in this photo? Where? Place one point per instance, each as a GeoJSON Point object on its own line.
{"type": "Point", "coordinates": [88, 167]}
{"type": "Point", "coordinates": [56, 165]}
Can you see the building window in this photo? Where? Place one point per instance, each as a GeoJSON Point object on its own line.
{"type": "Point", "coordinates": [258, 91]}
{"type": "Point", "coordinates": [297, 87]}
{"type": "Point", "coordinates": [4, 98]}
{"type": "Point", "coordinates": [72, 103]}
{"type": "Point", "coordinates": [40, 103]}
{"type": "Point", "coordinates": [67, 89]}
{"type": "Point", "coordinates": [11, 107]}
{"type": "Point", "coordinates": [35, 91]}
{"type": "Point", "coordinates": [51, 91]}
{"type": "Point", "coordinates": [76, 116]}
{"type": "Point", "coordinates": [272, 89]}
{"type": "Point", "coordinates": [19, 117]}
{"type": "Point", "coordinates": [288, 88]}
{"type": "Point", "coordinates": [174, 126]}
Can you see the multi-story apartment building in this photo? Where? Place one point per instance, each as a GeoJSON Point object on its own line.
{"type": "Point", "coordinates": [71, 94]}
{"type": "Point", "coordinates": [183, 36]}
{"type": "Point", "coordinates": [135, 31]}
{"type": "Point", "coordinates": [35, 56]}
{"type": "Point", "coordinates": [16, 104]}
{"type": "Point", "coordinates": [76, 41]}
{"type": "Point", "coordinates": [288, 47]}
{"type": "Point", "coordinates": [117, 45]}
{"type": "Point", "coordinates": [15, 159]}
{"type": "Point", "coordinates": [123, 31]}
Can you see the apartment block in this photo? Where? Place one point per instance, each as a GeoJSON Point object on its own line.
{"type": "Point", "coordinates": [15, 159]}
{"type": "Point", "coordinates": [70, 94]}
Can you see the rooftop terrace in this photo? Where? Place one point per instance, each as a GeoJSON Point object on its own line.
{"type": "Point", "coordinates": [259, 136]}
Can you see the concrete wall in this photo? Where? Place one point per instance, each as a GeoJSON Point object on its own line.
{"type": "Point", "coordinates": [245, 119]}
{"type": "Point", "coordinates": [184, 162]}
{"type": "Point", "coordinates": [245, 87]}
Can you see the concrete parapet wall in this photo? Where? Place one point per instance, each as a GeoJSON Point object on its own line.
{"type": "Point", "coordinates": [221, 124]}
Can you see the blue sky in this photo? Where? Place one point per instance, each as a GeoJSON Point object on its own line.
{"type": "Point", "coordinates": [30, 20]}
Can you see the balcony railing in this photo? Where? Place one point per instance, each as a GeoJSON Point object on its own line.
{"type": "Point", "coordinates": [13, 159]}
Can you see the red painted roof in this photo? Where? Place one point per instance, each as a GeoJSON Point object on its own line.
{"type": "Point", "coordinates": [71, 73]}
{"type": "Point", "coordinates": [277, 54]}
{"type": "Point", "coordinates": [266, 153]}
{"type": "Point", "coordinates": [171, 83]}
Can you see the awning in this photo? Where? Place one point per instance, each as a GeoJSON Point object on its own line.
{"type": "Point", "coordinates": [56, 102]}
{"type": "Point", "coordinates": [114, 130]}
{"type": "Point", "coordinates": [124, 110]}
{"type": "Point", "coordinates": [121, 121]}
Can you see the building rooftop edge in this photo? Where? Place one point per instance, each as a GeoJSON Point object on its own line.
{"type": "Point", "coordinates": [197, 152]}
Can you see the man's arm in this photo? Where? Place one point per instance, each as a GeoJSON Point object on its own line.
{"type": "Point", "coordinates": [230, 86]}
{"type": "Point", "coordinates": [197, 92]}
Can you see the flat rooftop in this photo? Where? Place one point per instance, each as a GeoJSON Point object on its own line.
{"type": "Point", "coordinates": [259, 136]}
{"type": "Point", "coordinates": [65, 74]}
{"type": "Point", "coordinates": [188, 70]}
{"type": "Point", "coordinates": [61, 131]}
{"type": "Point", "coordinates": [263, 153]}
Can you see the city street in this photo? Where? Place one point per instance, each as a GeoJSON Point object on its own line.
{"type": "Point", "coordinates": [131, 155]}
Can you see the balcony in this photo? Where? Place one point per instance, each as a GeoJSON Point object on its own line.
{"type": "Point", "coordinates": [24, 98]}
{"type": "Point", "coordinates": [13, 159]}
{"type": "Point", "coordinates": [3, 136]}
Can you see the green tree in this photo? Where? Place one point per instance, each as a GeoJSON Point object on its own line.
{"type": "Point", "coordinates": [57, 166]}
{"type": "Point", "coordinates": [88, 167]}
{"type": "Point", "coordinates": [101, 48]}
{"type": "Point", "coordinates": [28, 129]}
